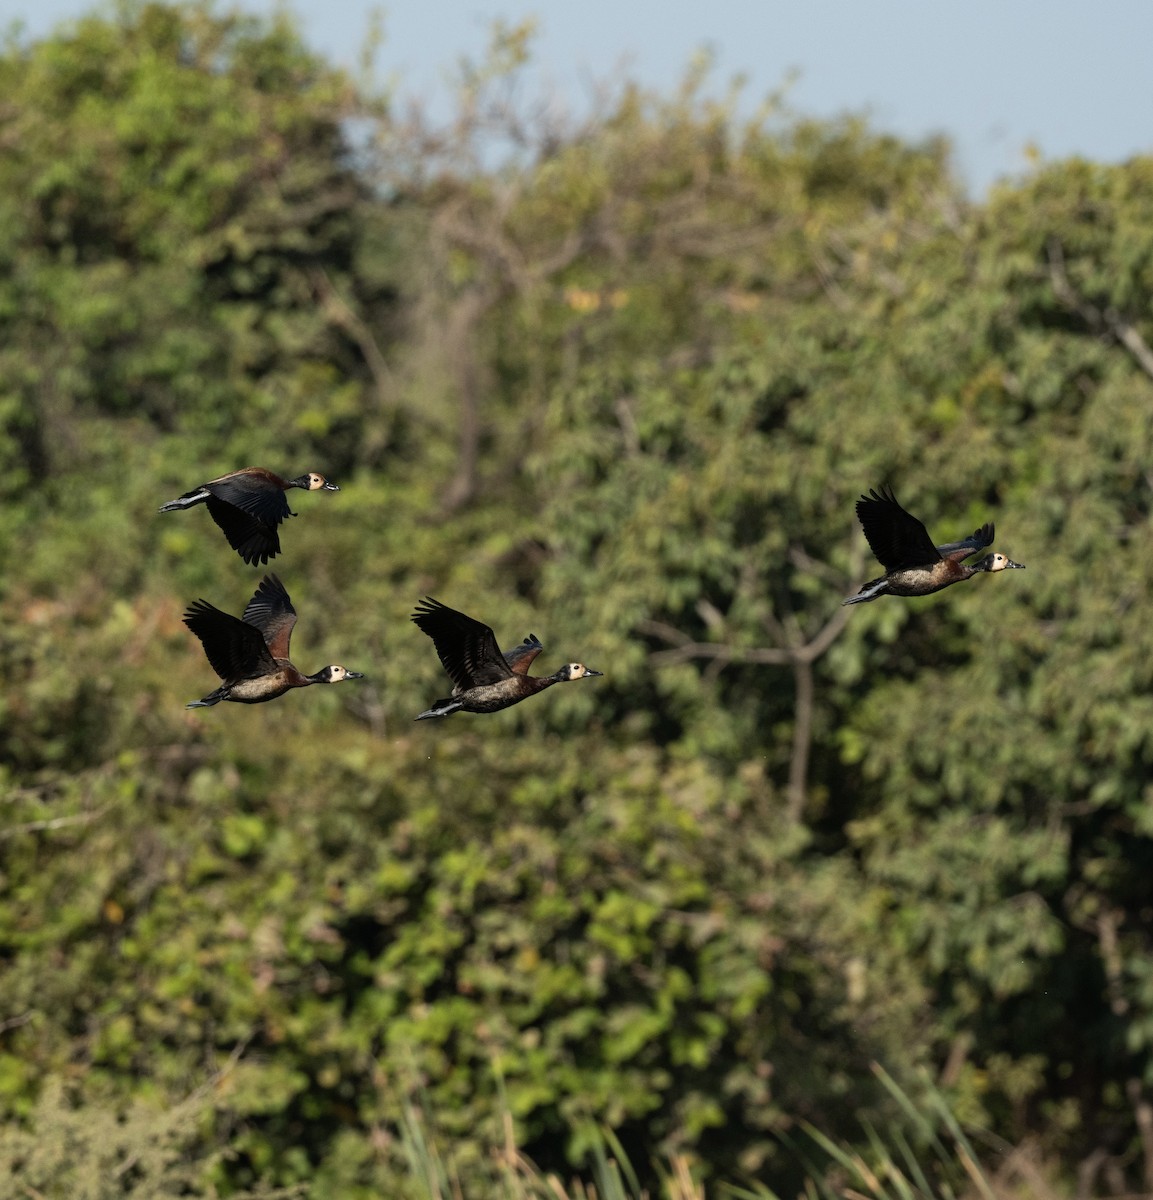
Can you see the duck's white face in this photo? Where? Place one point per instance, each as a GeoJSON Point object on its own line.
{"type": "Point", "coordinates": [1002, 562]}
{"type": "Point", "coordinates": [335, 673]}
{"type": "Point", "coordinates": [577, 671]}
{"type": "Point", "coordinates": [316, 482]}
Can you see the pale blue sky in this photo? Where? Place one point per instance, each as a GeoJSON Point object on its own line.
{"type": "Point", "coordinates": [1068, 76]}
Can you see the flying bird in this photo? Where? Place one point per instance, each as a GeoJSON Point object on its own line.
{"type": "Point", "coordinates": [250, 653]}
{"type": "Point", "coordinates": [248, 505]}
{"type": "Point", "coordinates": [913, 565]}
{"type": "Point", "coordinates": [484, 679]}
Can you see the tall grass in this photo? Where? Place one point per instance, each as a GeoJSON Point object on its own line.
{"type": "Point", "coordinates": [923, 1153]}
{"type": "Point", "coordinates": [512, 1176]}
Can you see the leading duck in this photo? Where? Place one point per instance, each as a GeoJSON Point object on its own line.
{"type": "Point", "coordinates": [484, 679]}
{"type": "Point", "coordinates": [913, 565]}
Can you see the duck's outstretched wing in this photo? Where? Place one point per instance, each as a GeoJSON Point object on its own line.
{"type": "Point", "coordinates": [254, 540]}
{"type": "Point", "coordinates": [235, 649]}
{"type": "Point", "coordinates": [271, 611]}
{"type": "Point", "coordinates": [896, 537]}
{"type": "Point", "coordinates": [521, 657]}
{"type": "Point", "coordinates": [977, 540]}
{"type": "Point", "coordinates": [467, 648]}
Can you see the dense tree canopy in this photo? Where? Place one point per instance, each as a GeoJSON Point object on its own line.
{"type": "Point", "coordinates": [620, 387]}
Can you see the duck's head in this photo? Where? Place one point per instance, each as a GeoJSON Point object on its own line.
{"type": "Point", "coordinates": [334, 673]}
{"type": "Point", "coordinates": [571, 671]}
{"type": "Point", "coordinates": [999, 562]}
{"type": "Point", "coordinates": [314, 482]}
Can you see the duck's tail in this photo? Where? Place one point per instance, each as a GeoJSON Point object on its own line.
{"type": "Point", "coordinates": [196, 496]}
{"type": "Point", "coordinates": [442, 708]}
{"type": "Point", "coordinates": [871, 590]}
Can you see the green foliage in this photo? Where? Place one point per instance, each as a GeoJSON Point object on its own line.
{"type": "Point", "coordinates": [620, 389]}
{"type": "Point", "coordinates": [177, 199]}
{"type": "Point", "coordinates": [96, 1153]}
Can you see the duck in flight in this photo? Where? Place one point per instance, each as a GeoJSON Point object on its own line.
{"type": "Point", "coordinates": [250, 653]}
{"type": "Point", "coordinates": [484, 679]}
{"type": "Point", "coordinates": [248, 505]}
{"type": "Point", "coordinates": [913, 565]}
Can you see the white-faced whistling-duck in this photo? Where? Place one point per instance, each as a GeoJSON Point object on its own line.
{"type": "Point", "coordinates": [913, 565]}
{"type": "Point", "coordinates": [250, 653]}
{"type": "Point", "coordinates": [484, 679]}
{"type": "Point", "coordinates": [248, 505]}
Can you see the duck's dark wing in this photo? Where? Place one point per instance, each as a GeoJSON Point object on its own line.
{"type": "Point", "coordinates": [235, 649]}
{"type": "Point", "coordinates": [255, 491]}
{"type": "Point", "coordinates": [521, 657]}
{"type": "Point", "coordinates": [466, 648]}
{"type": "Point", "coordinates": [271, 611]}
{"type": "Point", "coordinates": [253, 539]}
{"type": "Point", "coordinates": [896, 537]}
{"type": "Point", "coordinates": [977, 540]}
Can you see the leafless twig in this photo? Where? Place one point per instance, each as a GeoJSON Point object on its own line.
{"type": "Point", "coordinates": [16, 1022]}
{"type": "Point", "coordinates": [1097, 319]}
{"type": "Point", "coordinates": [685, 649]}
{"type": "Point", "coordinates": [52, 823]}
{"type": "Point", "coordinates": [341, 314]}
{"type": "Point", "coordinates": [794, 648]}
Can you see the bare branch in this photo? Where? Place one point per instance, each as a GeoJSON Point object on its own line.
{"type": "Point", "coordinates": [1129, 337]}
{"type": "Point", "coordinates": [16, 1022]}
{"type": "Point", "coordinates": [805, 563]}
{"type": "Point", "coordinates": [51, 823]}
{"type": "Point", "coordinates": [686, 649]}
{"type": "Point", "coordinates": [812, 650]}
{"type": "Point", "coordinates": [776, 628]}
{"type": "Point", "coordinates": [1110, 320]}
{"type": "Point", "coordinates": [341, 314]}
{"type": "Point", "coordinates": [1063, 289]}
{"type": "Point", "coordinates": [712, 616]}
{"type": "Point", "coordinates": [794, 649]}
{"type": "Point", "coordinates": [668, 633]}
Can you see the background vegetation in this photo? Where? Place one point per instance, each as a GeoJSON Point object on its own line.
{"type": "Point", "coordinates": [616, 381]}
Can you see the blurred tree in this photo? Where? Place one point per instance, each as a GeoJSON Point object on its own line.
{"type": "Point", "coordinates": [639, 369]}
